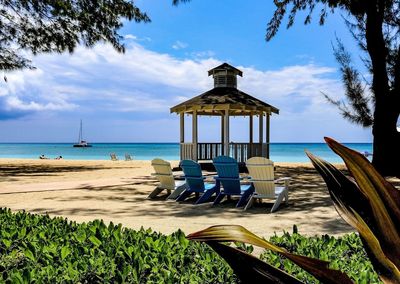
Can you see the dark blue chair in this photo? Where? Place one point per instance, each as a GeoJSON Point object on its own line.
{"type": "Point", "coordinates": [228, 175]}
{"type": "Point", "coordinates": [195, 182]}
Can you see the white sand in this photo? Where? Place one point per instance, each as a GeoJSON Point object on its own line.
{"type": "Point", "coordinates": [117, 191]}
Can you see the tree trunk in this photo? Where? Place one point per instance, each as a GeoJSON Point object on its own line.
{"type": "Point", "coordinates": [386, 156]}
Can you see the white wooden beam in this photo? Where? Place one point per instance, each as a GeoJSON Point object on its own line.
{"type": "Point", "coordinates": [182, 127]}
{"type": "Point", "coordinates": [267, 133]}
{"type": "Point", "coordinates": [251, 129]}
{"type": "Point", "coordinates": [222, 134]}
{"type": "Point", "coordinates": [260, 128]}
{"type": "Point", "coordinates": [194, 134]}
{"type": "Point", "coordinates": [226, 133]}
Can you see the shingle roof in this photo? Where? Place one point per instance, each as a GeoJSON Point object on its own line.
{"type": "Point", "coordinates": [226, 66]}
{"type": "Point", "coordinates": [220, 98]}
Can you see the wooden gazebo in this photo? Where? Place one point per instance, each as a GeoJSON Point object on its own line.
{"type": "Point", "coordinates": [225, 100]}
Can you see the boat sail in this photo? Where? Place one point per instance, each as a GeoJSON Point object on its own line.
{"type": "Point", "coordinates": [81, 142]}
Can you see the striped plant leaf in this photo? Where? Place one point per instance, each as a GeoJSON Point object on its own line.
{"type": "Point", "coordinates": [234, 233]}
{"type": "Point", "coordinates": [370, 204]}
{"type": "Point", "coordinates": [250, 269]}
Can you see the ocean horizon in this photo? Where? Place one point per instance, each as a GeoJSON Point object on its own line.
{"type": "Point", "coordinates": [279, 152]}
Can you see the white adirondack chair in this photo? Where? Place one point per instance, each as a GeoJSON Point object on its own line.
{"type": "Point", "coordinates": [261, 171]}
{"type": "Point", "coordinates": [128, 157]}
{"type": "Point", "coordinates": [113, 157]}
{"type": "Point", "coordinates": [163, 174]}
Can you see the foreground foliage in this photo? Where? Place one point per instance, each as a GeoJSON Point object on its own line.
{"type": "Point", "coordinates": [345, 253]}
{"type": "Point", "coordinates": [37, 248]}
{"type": "Point", "coordinates": [369, 203]}
{"type": "Point", "coordinates": [53, 250]}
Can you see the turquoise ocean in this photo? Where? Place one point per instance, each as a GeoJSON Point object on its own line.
{"type": "Point", "coordinates": [280, 152]}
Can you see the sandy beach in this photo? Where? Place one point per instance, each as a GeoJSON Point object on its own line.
{"type": "Point", "coordinates": [117, 191]}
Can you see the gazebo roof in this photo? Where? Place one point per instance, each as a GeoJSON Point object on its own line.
{"type": "Point", "coordinates": [226, 67]}
{"type": "Point", "coordinates": [216, 100]}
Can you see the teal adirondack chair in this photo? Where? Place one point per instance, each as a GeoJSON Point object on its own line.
{"type": "Point", "coordinates": [228, 174]}
{"type": "Point", "coordinates": [195, 182]}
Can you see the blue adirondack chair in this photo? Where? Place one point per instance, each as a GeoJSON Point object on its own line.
{"type": "Point", "coordinates": [228, 174]}
{"type": "Point", "coordinates": [195, 182]}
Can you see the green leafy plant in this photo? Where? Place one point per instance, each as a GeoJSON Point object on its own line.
{"type": "Point", "coordinates": [37, 248]}
{"type": "Point", "coordinates": [345, 253]}
{"type": "Point", "coordinates": [367, 202]}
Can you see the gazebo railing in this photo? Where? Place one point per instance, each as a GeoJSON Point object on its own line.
{"type": "Point", "coordinates": [207, 151]}
{"type": "Point", "coordinates": [187, 151]}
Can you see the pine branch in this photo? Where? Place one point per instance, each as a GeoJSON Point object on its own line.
{"type": "Point", "coordinates": [57, 26]}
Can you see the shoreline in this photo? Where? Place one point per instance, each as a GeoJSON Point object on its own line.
{"type": "Point", "coordinates": [31, 160]}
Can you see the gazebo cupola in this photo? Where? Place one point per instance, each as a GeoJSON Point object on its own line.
{"type": "Point", "coordinates": [225, 76]}
{"type": "Point", "coordinates": [223, 101]}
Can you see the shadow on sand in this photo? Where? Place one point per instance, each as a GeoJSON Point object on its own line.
{"type": "Point", "coordinates": [308, 195]}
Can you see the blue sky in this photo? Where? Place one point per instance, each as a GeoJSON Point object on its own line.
{"type": "Point", "coordinates": [126, 97]}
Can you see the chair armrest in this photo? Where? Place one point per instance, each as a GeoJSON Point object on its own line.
{"type": "Point", "coordinates": [286, 180]}
{"type": "Point", "coordinates": [179, 177]}
{"type": "Point", "coordinates": [156, 174]}
{"type": "Point", "coordinates": [222, 179]}
{"type": "Point", "coordinates": [201, 178]}
{"type": "Point", "coordinates": [260, 180]}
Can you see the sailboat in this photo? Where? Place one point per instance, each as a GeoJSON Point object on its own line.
{"type": "Point", "coordinates": [81, 142]}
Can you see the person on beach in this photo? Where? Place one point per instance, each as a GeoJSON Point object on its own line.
{"type": "Point", "coordinates": [43, 157]}
{"type": "Point", "coordinates": [58, 158]}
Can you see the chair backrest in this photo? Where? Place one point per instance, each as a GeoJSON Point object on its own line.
{"type": "Point", "coordinates": [163, 173]}
{"type": "Point", "coordinates": [128, 157]}
{"type": "Point", "coordinates": [193, 174]}
{"type": "Point", "coordinates": [261, 171]}
{"type": "Point", "coordinates": [228, 170]}
{"type": "Point", "coordinates": [113, 157]}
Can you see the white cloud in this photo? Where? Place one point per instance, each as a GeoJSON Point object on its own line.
{"type": "Point", "coordinates": [294, 87]}
{"type": "Point", "coordinates": [101, 81]}
{"type": "Point", "coordinates": [16, 103]}
{"type": "Point", "coordinates": [179, 45]}
{"type": "Point", "coordinates": [130, 36]}
{"type": "Point", "coordinates": [201, 54]}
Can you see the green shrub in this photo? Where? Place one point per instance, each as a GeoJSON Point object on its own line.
{"type": "Point", "coordinates": [37, 248]}
{"type": "Point", "coordinates": [345, 253]}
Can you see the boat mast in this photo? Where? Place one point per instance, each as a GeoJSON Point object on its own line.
{"type": "Point", "coordinates": [80, 133]}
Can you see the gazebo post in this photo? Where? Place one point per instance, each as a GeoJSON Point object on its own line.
{"type": "Point", "coordinates": [261, 128]}
{"type": "Point", "coordinates": [182, 132]}
{"type": "Point", "coordinates": [251, 135]}
{"type": "Point", "coordinates": [194, 135]}
{"type": "Point", "coordinates": [182, 135]}
{"type": "Point", "coordinates": [222, 134]}
{"type": "Point", "coordinates": [226, 132]}
{"type": "Point", "coordinates": [267, 132]}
